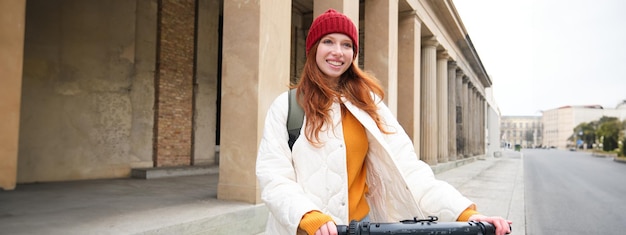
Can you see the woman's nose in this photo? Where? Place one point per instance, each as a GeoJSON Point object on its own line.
{"type": "Point", "coordinates": [336, 49]}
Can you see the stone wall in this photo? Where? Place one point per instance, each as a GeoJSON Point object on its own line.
{"type": "Point", "coordinates": [90, 85]}
{"type": "Point", "coordinates": [85, 114]}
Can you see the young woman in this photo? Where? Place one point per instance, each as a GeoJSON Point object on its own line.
{"type": "Point", "coordinates": [353, 160]}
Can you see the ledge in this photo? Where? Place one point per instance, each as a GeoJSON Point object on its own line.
{"type": "Point", "coordinates": [441, 167]}
{"type": "Point", "coordinates": [596, 154]}
{"type": "Point", "coordinates": [165, 172]}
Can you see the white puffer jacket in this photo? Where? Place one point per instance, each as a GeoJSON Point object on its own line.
{"type": "Point", "coordinates": [314, 178]}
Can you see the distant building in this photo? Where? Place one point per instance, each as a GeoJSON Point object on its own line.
{"type": "Point", "coordinates": [523, 130]}
{"type": "Point", "coordinates": [559, 123]}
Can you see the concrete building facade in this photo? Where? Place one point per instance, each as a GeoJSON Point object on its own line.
{"type": "Point", "coordinates": [559, 123]}
{"type": "Point", "coordinates": [527, 131]}
{"type": "Point", "coordinates": [95, 89]}
{"type": "Point", "coordinates": [493, 119]}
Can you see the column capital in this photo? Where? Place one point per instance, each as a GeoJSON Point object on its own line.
{"type": "Point", "coordinates": [452, 64]}
{"type": "Point", "coordinates": [430, 41]}
{"type": "Point", "coordinates": [466, 79]}
{"type": "Point", "coordinates": [443, 54]}
{"type": "Point", "coordinates": [410, 15]}
{"type": "Point", "coordinates": [459, 73]}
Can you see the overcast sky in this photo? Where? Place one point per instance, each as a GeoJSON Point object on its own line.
{"type": "Point", "coordinates": [544, 54]}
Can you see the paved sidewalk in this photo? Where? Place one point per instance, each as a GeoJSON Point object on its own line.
{"type": "Point", "coordinates": [496, 185]}
{"type": "Point", "coordinates": [179, 205]}
{"type": "Point", "coordinates": [189, 204]}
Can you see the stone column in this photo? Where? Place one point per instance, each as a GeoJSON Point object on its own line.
{"type": "Point", "coordinates": [12, 25]}
{"type": "Point", "coordinates": [468, 133]}
{"type": "Point", "coordinates": [462, 125]}
{"type": "Point", "coordinates": [409, 49]}
{"type": "Point", "coordinates": [483, 125]}
{"type": "Point", "coordinates": [472, 120]}
{"type": "Point", "coordinates": [348, 7]}
{"type": "Point", "coordinates": [255, 69]}
{"type": "Point", "coordinates": [429, 101]}
{"type": "Point", "coordinates": [452, 67]}
{"type": "Point", "coordinates": [480, 126]}
{"type": "Point", "coordinates": [474, 134]}
{"type": "Point", "coordinates": [467, 88]}
{"type": "Point", "coordinates": [475, 123]}
{"type": "Point", "coordinates": [381, 37]}
{"type": "Point", "coordinates": [442, 106]}
{"type": "Point", "coordinates": [459, 113]}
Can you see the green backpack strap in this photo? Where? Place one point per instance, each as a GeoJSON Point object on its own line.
{"type": "Point", "coordinates": [295, 117]}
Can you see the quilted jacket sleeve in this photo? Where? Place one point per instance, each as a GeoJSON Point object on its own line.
{"type": "Point", "coordinates": [274, 169]}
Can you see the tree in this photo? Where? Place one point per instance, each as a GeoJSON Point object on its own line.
{"type": "Point", "coordinates": [624, 147]}
{"type": "Point", "coordinates": [623, 137]}
{"type": "Point", "coordinates": [622, 133]}
{"type": "Point", "coordinates": [588, 133]}
{"type": "Point", "coordinates": [609, 129]}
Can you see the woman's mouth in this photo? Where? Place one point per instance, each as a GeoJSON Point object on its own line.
{"type": "Point", "coordinates": [335, 63]}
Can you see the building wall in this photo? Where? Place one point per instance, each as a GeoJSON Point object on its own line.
{"type": "Point", "coordinates": [515, 130]}
{"type": "Point", "coordinates": [550, 121]}
{"type": "Point", "coordinates": [89, 89]}
{"type": "Point", "coordinates": [113, 85]}
{"type": "Point", "coordinates": [493, 132]}
{"type": "Point", "coordinates": [493, 125]}
{"type": "Point", "coordinates": [85, 112]}
{"type": "Point", "coordinates": [206, 86]}
{"type": "Point", "coordinates": [559, 123]}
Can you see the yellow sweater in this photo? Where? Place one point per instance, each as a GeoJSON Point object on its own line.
{"type": "Point", "coordinates": [355, 139]}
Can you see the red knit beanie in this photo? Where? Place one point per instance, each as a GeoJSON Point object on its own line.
{"type": "Point", "coordinates": [332, 22]}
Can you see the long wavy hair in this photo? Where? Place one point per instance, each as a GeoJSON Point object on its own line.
{"type": "Point", "coordinates": [316, 95]}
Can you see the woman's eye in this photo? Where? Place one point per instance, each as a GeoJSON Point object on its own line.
{"type": "Point", "coordinates": [347, 45]}
{"type": "Point", "coordinates": [327, 41]}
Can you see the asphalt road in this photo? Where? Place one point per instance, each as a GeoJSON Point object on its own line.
{"type": "Point", "coordinates": [573, 193]}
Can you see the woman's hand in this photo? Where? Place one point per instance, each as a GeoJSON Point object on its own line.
{"type": "Point", "coordinates": [502, 225]}
{"type": "Point", "coordinates": [327, 229]}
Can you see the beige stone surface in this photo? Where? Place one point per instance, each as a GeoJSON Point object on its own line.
{"type": "Point", "coordinates": [429, 101]}
{"type": "Point", "coordinates": [409, 93]}
{"type": "Point", "coordinates": [12, 20]}
{"type": "Point", "coordinates": [255, 70]}
{"type": "Point", "coordinates": [381, 57]}
{"type": "Point", "coordinates": [442, 106]}
{"type": "Point", "coordinates": [452, 110]}
{"type": "Point", "coordinates": [86, 107]}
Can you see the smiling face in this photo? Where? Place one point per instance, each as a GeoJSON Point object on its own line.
{"type": "Point", "coordinates": [334, 54]}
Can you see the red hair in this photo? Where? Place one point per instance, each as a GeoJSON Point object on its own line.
{"type": "Point", "coordinates": [316, 95]}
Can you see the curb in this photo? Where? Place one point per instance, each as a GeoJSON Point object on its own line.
{"type": "Point", "coordinates": [619, 160]}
